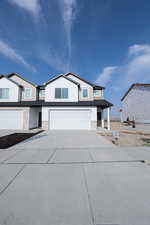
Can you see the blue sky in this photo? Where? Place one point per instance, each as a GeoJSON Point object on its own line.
{"type": "Point", "coordinates": [104, 41]}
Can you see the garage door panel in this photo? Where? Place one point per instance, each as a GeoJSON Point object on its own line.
{"type": "Point", "coordinates": [69, 119]}
{"type": "Point", "coordinates": [11, 119]}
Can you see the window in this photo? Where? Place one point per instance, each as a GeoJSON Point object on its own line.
{"type": "Point", "coordinates": [85, 93]}
{"type": "Point", "coordinates": [27, 93]}
{"type": "Point", "coordinates": [42, 93]}
{"type": "Point", "coordinates": [61, 93]}
{"type": "Point", "coordinates": [4, 93]}
{"type": "Point", "coordinates": [97, 93]}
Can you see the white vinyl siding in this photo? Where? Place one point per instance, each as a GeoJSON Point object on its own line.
{"type": "Point", "coordinates": [27, 93]}
{"type": "Point", "coordinates": [4, 93]}
{"type": "Point", "coordinates": [61, 93]}
{"type": "Point", "coordinates": [9, 91]}
{"type": "Point", "coordinates": [73, 94]}
{"type": "Point", "coordinates": [83, 85]}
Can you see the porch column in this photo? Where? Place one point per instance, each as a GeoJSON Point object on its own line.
{"type": "Point", "coordinates": [102, 119]}
{"type": "Point", "coordinates": [108, 118]}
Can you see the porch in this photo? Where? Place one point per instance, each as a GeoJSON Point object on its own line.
{"type": "Point", "coordinates": [103, 118]}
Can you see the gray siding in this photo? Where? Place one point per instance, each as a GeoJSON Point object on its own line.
{"type": "Point", "coordinates": [137, 104]}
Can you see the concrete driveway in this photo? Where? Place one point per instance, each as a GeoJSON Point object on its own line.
{"type": "Point", "coordinates": [74, 186]}
{"type": "Point", "coordinates": [66, 139]}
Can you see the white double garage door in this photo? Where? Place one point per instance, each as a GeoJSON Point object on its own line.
{"type": "Point", "coordinates": [69, 119]}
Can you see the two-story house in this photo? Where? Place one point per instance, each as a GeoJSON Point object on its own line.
{"type": "Point", "coordinates": [64, 102]}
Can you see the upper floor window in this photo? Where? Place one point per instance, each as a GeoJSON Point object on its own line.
{"type": "Point", "coordinates": [61, 93]}
{"type": "Point", "coordinates": [42, 93]}
{"type": "Point", "coordinates": [85, 93]}
{"type": "Point", "coordinates": [27, 93]}
{"type": "Point", "coordinates": [4, 93]}
{"type": "Point", "coordinates": [97, 93]}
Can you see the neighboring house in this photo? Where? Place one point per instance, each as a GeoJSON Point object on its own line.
{"type": "Point", "coordinates": [14, 114]}
{"type": "Point", "coordinates": [64, 102]}
{"type": "Point", "coordinates": [136, 103]}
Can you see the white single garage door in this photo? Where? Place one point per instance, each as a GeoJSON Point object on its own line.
{"type": "Point", "coordinates": [11, 119]}
{"type": "Point", "coordinates": [69, 119]}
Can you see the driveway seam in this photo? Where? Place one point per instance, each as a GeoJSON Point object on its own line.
{"type": "Point", "coordinates": [88, 194]}
{"type": "Point", "coordinates": [90, 154]}
{"type": "Point", "coordinates": [76, 163]}
{"type": "Point", "coordinates": [10, 157]}
{"type": "Point", "coordinates": [51, 156]}
{"type": "Point", "coordinates": [11, 181]}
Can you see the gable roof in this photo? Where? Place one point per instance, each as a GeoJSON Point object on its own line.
{"type": "Point", "coordinates": [61, 75]}
{"type": "Point", "coordinates": [134, 85]}
{"type": "Point", "coordinates": [15, 74]}
{"type": "Point", "coordinates": [2, 76]}
{"type": "Point", "coordinates": [91, 84]}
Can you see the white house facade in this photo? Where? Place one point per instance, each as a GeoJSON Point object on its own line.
{"type": "Point", "coordinates": [65, 85]}
{"type": "Point", "coordinates": [66, 102]}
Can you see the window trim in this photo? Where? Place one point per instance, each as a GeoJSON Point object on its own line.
{"type": "Point", "coordinates": [61, 93]}
{"type": "Point", "coordinates": [8, 94]}
{"type": "Point", "coordinates": [83, 92]}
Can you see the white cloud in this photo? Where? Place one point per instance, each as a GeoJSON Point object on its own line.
{"type": "Point", "coordinates": [32, 6]}
{"type": "Point", "coordinates": [106, 75]}
{"type": "Point", "coordinates": [138, 49]}
{"type": "Point", "coordinates": [12, 54]}
{"type": "Point", "coordinates": [136, 69]}
{"type": "Point", "coordinates": [138, 66]}
{"type": "Point", "coordinates": [51, 57]}
{"type": "Point", "coordinates": [68, 10]}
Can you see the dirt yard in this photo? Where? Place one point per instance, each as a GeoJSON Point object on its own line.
{"type": "Point", "coordinates": [126, 136]}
